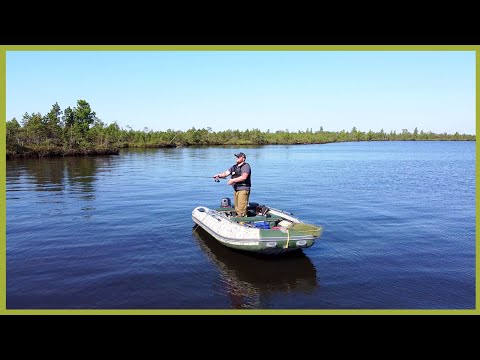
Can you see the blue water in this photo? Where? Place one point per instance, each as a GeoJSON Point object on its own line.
{"type": "Point", "coordinates": [116, 232]}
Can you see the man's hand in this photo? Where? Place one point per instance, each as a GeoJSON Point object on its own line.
{"type": "Point", "coordinates": [230, 182]}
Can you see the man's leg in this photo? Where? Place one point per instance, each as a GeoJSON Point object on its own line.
{"type": "Point", "coordinates": [243, 196]}
{"type": "Point", "coordinates": [235, 201]}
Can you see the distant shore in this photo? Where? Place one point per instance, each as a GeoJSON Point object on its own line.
{"type": "Point", "coordinates": [48, 153]}
{"type": "Point", "coordinates": [26, 153]}
{"type": "Point", "coordinates": [79, 132]}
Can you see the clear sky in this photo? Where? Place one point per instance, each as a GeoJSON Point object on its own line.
{"type": "Point", "coordinates": [294, 90]}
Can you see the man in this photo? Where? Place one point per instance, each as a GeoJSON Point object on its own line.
{"type": "Point", "coordinates": [241, 182]}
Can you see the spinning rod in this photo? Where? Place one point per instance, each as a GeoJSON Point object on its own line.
{"type": "Point", "coordinates": [216, 179]}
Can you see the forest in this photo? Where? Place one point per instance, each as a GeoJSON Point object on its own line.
{"type": "Point", "coordinates": [78, 131]}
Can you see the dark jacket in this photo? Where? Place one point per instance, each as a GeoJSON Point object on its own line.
{"type": "Point", "coordinates": [236, 171]}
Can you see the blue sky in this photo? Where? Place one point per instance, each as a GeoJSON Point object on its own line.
{"type": "Point", "coordinates": [294, 90]}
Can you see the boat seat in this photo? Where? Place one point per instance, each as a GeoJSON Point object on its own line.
{"type": "Point", "coordinates": [251, 207]}
{"type": "Point", "coordinates": [226, 209]}
{"type": "Point", "coordinates": [271, 218]}
{"type": "Point", "coordinates": [232, 210]}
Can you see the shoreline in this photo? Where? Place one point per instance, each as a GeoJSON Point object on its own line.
{"type": "Point", "coordinates": [33, 154]}
{"type": "Point", "coordinates": [51, 153]}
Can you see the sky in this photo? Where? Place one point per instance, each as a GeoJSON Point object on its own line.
{"type": "Point", "coordinates": [266, 90]}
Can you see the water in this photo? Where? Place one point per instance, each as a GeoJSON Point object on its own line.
{"type": "Point", "coordinates": [116, 232]}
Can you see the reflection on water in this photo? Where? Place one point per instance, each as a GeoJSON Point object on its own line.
{"type": "Point", "coordinates": [42, 172]}
{"type": "Point", "coordinates": [251, 279]}
{"type": "Point", "coordinates": [61, 177]}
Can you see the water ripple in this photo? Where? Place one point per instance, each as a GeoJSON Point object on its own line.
{"type": "Point", "coordinates": [116, 231]}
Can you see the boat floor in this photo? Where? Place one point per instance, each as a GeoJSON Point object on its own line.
{"type": "Point", "coordinates": [251, 217]}
{"type": "Point", "coordinates": [271, 218]}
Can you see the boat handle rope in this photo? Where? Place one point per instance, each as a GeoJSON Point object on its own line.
{"type": "Point", "coordinates": [288, 238]}
{"type": "Point", "coordinates": [301, 231]}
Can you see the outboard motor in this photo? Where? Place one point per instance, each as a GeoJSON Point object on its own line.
{"type": "Point", "coordinates": [226, 203]}
{"type": "Point", "coordinates": [252, 205]}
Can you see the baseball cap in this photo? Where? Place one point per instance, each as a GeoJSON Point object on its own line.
{"type": "Point", "coordinates": [241, 154]}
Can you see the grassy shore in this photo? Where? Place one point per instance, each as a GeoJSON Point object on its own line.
{"type": "Point", "coordinates": [26, 153]}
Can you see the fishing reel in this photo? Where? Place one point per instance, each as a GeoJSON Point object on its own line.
{"type": "Point", "coordinates": [217, 179]}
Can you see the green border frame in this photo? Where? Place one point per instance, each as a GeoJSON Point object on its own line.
{"type": "Point", "coordinates": [3, 242]}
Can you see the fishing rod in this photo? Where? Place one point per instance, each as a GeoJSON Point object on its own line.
{"type": "Point", "coordinates": [216, 179]}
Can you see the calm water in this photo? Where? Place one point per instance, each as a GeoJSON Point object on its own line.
{"type": "Point", "coordinates": [116, 232]}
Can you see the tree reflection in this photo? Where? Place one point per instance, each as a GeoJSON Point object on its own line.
{"type": "Point", "coordinates": [81, 175]}
{"type": "Point", "coordinates": [69, 176]}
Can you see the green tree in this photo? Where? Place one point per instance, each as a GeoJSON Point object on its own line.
{"type": "Point", "coordinates": [83, 114]}
{"type": "Point", "coordinates": [77, 123]}
{"type": "Point", "coordinates": [68, 117]}
{"type": "Point", "coordinates": [52, 125]}
{"type": "Point", "coordinates": [33, 128]}
{"type": "Point", "coordinates": [13, 132]}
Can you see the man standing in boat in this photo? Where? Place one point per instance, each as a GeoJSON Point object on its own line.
{"type": "Point", "coordinates": [241, 182]}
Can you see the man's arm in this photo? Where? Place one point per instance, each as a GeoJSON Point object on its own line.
{"type": "Point", "coordinates": [241, 178]}
{"type": "Point", "coordinates": [222, 175]}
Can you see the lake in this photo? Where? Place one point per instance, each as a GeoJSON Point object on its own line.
{"type": "Point", "coordinates": [115, 232]}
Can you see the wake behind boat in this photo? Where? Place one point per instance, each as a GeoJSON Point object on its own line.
{"type": "Point", "coordinates": [265, 230]}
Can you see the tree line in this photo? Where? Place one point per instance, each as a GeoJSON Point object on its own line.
{"type": "Point", "coordinates": [78, 131]}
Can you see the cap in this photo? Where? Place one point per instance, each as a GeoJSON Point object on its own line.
{"type": "Point", "coordinates": [241, 154]}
